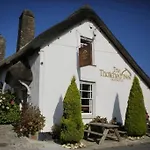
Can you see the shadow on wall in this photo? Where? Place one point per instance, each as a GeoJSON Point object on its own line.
{"type": "Point", "coordinates": [116, 110]}
{"type": "Point", "coordinates": [58, 111]}
{"type": "Point", "coordinates": [46, 136]}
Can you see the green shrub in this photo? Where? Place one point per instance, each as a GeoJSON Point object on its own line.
{"type": "Point", "coordinates": [31, 121]}
{"type": "Point", "coordinates": [56, 129]}
{"type": "Point", "coordinates": [72, 129]}
{"type": "Point", "coordinates": [135, 122]}
{"type": "Point", "coordinates": [9, 110]}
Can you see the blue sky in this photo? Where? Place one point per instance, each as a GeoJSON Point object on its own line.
{"type": "Point", "coordinates": [129, 21]}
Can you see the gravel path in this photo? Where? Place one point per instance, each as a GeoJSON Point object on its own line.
{"type": "Point", "coordinates": [10, 141]}
{"type": "Point", "coordinates": [133, 147]}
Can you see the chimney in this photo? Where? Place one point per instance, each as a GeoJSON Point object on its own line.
{"type": "Point", "coordinates": [26, 29]}
{"type": "Point", "coordinates": [2, 48]}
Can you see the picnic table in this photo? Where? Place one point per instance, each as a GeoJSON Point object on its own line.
{"type": "Point", "coordinates": [106, 127]}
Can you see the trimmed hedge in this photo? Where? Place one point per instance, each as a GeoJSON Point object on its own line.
{"type": "Point", "coordinates": [135, 122]}
{"type": "Point", "coordinates": [72, 129]}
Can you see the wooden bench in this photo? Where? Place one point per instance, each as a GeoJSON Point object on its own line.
{"type": "Point", "coordinates": [106, 128]}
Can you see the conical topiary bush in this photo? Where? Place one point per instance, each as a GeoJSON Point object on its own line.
{"type": "Point", "coordinates": [71, 123]}
{"type": "Point", "coordinates": [135, 121]}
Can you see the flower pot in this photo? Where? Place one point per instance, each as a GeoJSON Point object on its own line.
{"type": "Point", "coordinates": [34, 137]}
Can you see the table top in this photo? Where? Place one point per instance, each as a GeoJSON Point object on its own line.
{"type": "Point", "coordinates": [104, 125]}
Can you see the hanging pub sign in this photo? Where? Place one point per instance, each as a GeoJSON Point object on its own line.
{"type": "Point", "coordinates": [116, 74]}
{"type": "Point", "coordinates": [85, 55]}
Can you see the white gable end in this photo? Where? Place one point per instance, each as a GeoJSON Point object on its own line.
{"type": "Point", "coordinates": [60, 62]}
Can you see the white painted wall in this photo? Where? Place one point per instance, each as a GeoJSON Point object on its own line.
{"type": "Point", "coordinates": [60, 63]}
{"type": "Point", "coordinates": [54, 80]}
{"type": "Point", "coordinates": [34, 62]}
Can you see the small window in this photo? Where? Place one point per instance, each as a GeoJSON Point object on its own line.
{"type": "Point", "coordinates": [85, 52]}
{"type": "Point", "coordinates": [86, 93]}
{"type": "Point", "coordinates": [85, 41]}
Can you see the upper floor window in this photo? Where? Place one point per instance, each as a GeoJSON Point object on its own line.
{"type": "Point", "coordinates": [85, 52]}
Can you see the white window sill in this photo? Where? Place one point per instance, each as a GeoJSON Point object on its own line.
{"type": "Point", "coordinates": [87, 116]}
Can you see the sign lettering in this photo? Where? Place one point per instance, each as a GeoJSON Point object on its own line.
{"type": "Point", "coordinates": [116, 74]}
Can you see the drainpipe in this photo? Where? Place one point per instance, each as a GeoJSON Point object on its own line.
{"type": "Point", "coordinates": [28, 90]}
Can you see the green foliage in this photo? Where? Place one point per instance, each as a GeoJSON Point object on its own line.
{"type": "Point", "coordinates": [9, 110]}
{"type": "Point", "coordinates": [135, 123]}
{"type": "Point", "coordinates": [56, 129]}
{"type": "Point", "coordinates": [99, 119]}
{"type": "Point", "coordinates": [72, 129]}
{"type": "Point", "coordinates": [31, 121]}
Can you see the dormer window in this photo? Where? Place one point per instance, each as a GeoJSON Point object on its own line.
{"type": "Point", "coordinates": [85, 52]}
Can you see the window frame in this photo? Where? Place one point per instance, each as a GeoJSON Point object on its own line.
{"type": "Point", "coordinates": [85, 41]}
{"type": "Point", "coordinates": [91, 98]}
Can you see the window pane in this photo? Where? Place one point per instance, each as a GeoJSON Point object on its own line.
{"type": "Point", "coordinates": [85, 101]}
{"type": "Point", "coordinates": [90, 105]}
{"type": "Point", "coordinates": [86, 87]}
{"type": "Point", "coordinates": [91, 94]}
{"type": "Point", "coordinates": [85, 109]}
{"type": "Point", "coordinates": [85, 94]}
